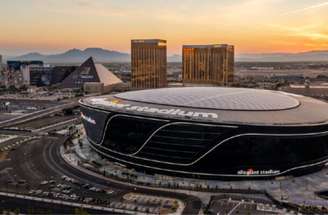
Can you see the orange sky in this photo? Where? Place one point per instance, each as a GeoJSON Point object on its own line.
{"type": "Point", "coordinates": [50, 26]}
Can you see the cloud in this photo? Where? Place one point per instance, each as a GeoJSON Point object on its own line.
{"type": "Point", "coordinates": [312, 32]}
{"type": "Point", "coordinates": [312, 7]}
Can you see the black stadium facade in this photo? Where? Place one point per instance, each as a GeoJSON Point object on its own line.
{"type": "Point", "coordinates": [209, 132]}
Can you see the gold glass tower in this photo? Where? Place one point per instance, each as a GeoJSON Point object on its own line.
{"type": "Point", "coordinates": [148, 63]}
{"type": "Point", "coordinates": [208, 64]}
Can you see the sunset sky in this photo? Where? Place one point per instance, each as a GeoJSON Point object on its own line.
{"type": "Point", "coordinates": [253, 26]}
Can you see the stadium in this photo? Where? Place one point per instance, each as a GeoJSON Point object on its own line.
{"type": "Point", "coordinates": [209, 132]}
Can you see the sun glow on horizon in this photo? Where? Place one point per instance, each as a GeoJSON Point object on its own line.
{"type": "Point", "coordinates": [253, 26]}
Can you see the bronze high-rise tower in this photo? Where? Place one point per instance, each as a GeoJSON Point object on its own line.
{"type": "Point", "coordinates": [148, 63]}
{"type": "Point", "coordinates": [208, 64]}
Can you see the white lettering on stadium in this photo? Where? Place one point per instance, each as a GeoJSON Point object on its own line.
{"type": "Point", "coordinates": [251, 172]}
{"type": "Point", "coordinates": [173, 111]}
{"type": "Point", "coordinates": [88, 119]}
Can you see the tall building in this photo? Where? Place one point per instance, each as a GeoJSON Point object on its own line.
{"type": "Point", "coordinates": [148, 58]}
{"type": "Point", "coordinates": [0, 59]}
{"type": "Point", "coordinates": [208, 64]}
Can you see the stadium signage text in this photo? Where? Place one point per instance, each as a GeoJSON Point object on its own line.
{"type": "Point", "coordinates": [87, 76]}
{"type": "Point", "coordinates": [250, 172]}
{"type": "Point", "coordinates": [88, 119]}
{"type": "Point", "coordinates": [172, 111]}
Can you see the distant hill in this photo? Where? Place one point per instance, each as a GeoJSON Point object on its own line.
{"type": "Point", "coordinates": [108, 56]}
{"type": "Point", "coordinates": [78, 56]}
{"type": "Point", "coordinates": [310, 56]}
{"type": "Point", "coordinates": [29, 57]}
{"type": "Point", "coordinates": [285, 57]}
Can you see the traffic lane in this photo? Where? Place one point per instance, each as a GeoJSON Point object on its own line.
{"type": "Point", "coordinates": [10, 142]}
{"type": "Point", "coordinates": [37, 114]}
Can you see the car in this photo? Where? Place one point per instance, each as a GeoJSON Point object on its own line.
{"type": "Point", "coordinates": [31, 192]}
{"type": "Point", "coordinates": [72, 180]}
{"type": "Point", "coordinates": [52, 182]}
{"type": "Point", "coordinates": [56, 189]}
{"type": "Point", "coordinates": [108, 192]}
{"type": "Point", "coordinates": [95, 189]}
{"type": "Point", "coordinates": [74, 196]}
{"type": "Point", "coordinates": [45, 194]}
{"type": "Point", "coordinates": [21, 181]}
{"type": "Point", "coordinates": [77, 183]}
{"type": "Point", "coordinates": [67, 191]}
{"type": "Point", "coordinates": [86, 186]}
{"type": "Point", "coordinates": [44, 183]}
{"type": "Point", "coordinates": [88, 200]}
{"type": "Point", "coordinates": [56, 195]}
{"type": "Point", "coordinates": [38, 192]}
{"type": "Point", "coordinates": [10, 181]}
{"type": "Point", "coordinates": [66, 187]}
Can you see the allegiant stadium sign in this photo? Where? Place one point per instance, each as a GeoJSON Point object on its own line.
{"type": "Point", "coordinates": [171, 111]}
{"type": "Point", "coordinates": [251, 172]}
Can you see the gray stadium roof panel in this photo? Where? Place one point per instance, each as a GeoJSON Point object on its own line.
{"type": "Point", "coordinates": [218, 98]}
{"type": "Point", "coordinates": [230, 105]}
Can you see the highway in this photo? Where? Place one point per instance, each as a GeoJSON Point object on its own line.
{"type": "Point", "coordinates": [37, 114]}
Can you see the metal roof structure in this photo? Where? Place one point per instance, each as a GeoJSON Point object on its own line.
{"type": "Point", "coordinates": [218, 98]}
{"type": "Point", "coordinates": [217, 105]}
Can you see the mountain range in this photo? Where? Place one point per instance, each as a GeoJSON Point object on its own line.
{"type": "Point", "coordinates": [109, 56]}
{"type": "Point", "coordinates": [321, 55]}
{"type": "Point", "coordinates": [77, 56]}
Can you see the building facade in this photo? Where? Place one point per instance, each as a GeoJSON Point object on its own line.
{"type": "Point", "coordinates": [17, 73]}
{"type": "Point", "coordinates": [148, 59]}
{"type": "Point", "coordinates": [208, 64]}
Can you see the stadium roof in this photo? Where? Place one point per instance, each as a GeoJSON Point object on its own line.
{"type": "Point", "coordinates": [214, 98]}
{"type": "Point", "coordinates": [218, 104]}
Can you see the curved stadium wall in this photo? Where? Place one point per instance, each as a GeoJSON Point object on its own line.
{"type": "Point", "coordinates": [201, 147]}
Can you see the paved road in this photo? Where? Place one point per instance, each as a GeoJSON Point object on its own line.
{"type": "Point", "coordinates": [40, 160]}
{"type": "Point", "coordinates": [10, 142]}
{"type": "Point", "coordinates": [37, 114]}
